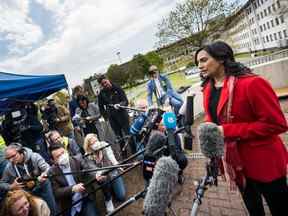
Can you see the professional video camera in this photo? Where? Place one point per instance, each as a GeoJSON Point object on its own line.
{"type": "Point", "coordinates": [50, 114]}
{"type": "Point", "coordinates": [14, 125]}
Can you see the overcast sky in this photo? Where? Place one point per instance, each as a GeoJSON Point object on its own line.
{"type": "Point", "coordinates": [76, 37]}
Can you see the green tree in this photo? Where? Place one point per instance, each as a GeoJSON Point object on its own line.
{"type": "Point", "coordinates": [116, 74]}
{"type": "Point", "coordinates": [154, 59]}
{"type": "Point", "coordinates": [140, 65]}
{"type": "Point", "coordinates": [194, 20]}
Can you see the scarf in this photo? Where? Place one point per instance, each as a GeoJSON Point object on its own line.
{"type": "Point", "coordinates": [232, 163]}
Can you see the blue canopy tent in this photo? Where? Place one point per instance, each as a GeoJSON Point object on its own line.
{"type": "Point", "coordinates": [15, 88]}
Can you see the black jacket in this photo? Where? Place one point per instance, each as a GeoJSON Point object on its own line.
{"type": "Point", "coordinates": [107, 97]}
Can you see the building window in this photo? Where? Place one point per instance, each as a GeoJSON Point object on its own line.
{"type": "Point", "coordinates": [272, 23]}
{"type": "Point", "coordinates": [267, 38]}
{"type": "Point", "coordinates": [268, 25]}
{"type": "Point", "coordinates": [280, 35]}
{"type": "Point", "coordinates": [265, 12]}
{"type": "Point", "coordinates": [285, 33]}
{"type": "Point", "coordinates": [278, 4]}
{"type": "Point", "coordinates": [277, 21]}
{"type": "Point", "coordinates": [269, 10]}
{"type": "Point", "coordinates": [282, 19]}
{"type": "Point", "coordinates": [258, 17]}
{"type": "Point", "coordinates": [275, 36]}
{"type": "Point", "coordinates": [273, 6]}
{"type": "Point", "coordinates": [261, 14]}
{"type": "Point", "coordinates": [263, 38]}
{"type": "Point", "coordinates": [261, 28]}
{"type": "Point", "coordinates": [271, 37]}
{"type": "Point", "coordinates": [262, 2]}
{"type": "Point", "coordinates": [264, 26]}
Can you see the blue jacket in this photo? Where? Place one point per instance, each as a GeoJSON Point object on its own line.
{"type": "Point", "coordinates": [174, 98]}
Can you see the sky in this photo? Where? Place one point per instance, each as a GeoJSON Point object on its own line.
{"type": "Point", "coordinates": [76, 37]}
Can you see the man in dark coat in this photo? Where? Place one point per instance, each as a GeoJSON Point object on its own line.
{"type": "Point", "coordinates": [110, 100]}
{"type": "Point", "coordinates": [70, 189]}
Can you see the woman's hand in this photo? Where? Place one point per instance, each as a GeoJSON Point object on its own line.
{"type": "Point", "coordinates": [220, 128]}
{"type": "Point", "coordinates": [100, 178]}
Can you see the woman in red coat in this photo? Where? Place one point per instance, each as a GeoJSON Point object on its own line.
{"type": "Point", "coordinates": [248, 114]}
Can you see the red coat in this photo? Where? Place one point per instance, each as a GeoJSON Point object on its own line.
{"type": "Point", "coordinates": [257, 121]}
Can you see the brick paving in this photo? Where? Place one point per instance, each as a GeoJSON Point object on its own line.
{"type": "Point", "coordinates": [217, 200]}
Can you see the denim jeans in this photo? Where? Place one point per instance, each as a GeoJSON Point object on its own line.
{"type": "Point", "coordinates": [88, 208]}
{"type": "Point", "coordinates": [119, 190]}
{"type": "Point", "coordinates": [44, 190]}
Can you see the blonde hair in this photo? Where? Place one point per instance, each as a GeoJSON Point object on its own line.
{"type": "Point", "coordinates": [15, 195]}
{"type": "Point", "coordinates": [87, 142]}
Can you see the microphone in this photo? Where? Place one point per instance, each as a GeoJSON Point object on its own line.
{"type": "Point", "coordinates": [211, 140]}
{"type": "Point", "coordinates": [188, 122]}
{"type": "Point", "coordinates": [138, 124]}
{"type": "Point", "coordinates": [161, 187]}
{"type": "Point", "coordinates": [153, 151]}
{"type": "Point", "coordinates": [170, 123]}
{"type": "Point", "coordinates": [189, 112]}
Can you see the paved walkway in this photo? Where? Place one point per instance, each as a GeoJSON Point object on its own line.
{"type": "Point", "coordinates": [217, 201]}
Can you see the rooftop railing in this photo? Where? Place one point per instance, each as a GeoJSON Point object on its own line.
{"type": "Point", "coordinates": [267, 58]}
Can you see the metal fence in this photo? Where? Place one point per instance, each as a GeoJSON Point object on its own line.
{"type": "Point", "coordinates": [267, 58]}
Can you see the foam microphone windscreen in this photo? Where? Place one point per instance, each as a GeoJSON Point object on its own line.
{"type": "Point", "coordinates": [211, 140]}
{"type": "Point", "coordinates": [155, 142]}
{"type": "Point", "coordinates": [161, 186]}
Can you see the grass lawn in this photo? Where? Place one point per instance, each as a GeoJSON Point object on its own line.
{"type": "Point", "coordinates": [177, 80]}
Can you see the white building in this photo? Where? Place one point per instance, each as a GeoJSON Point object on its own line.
{"type": "Point", "coordinates": [258, 25]}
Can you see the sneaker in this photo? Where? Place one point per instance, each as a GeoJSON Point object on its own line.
{"type": "Point", "coordinates": [109, 206]}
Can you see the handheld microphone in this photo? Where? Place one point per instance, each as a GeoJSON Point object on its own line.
{"type": "Point", "coordinates": [157, 141]}
{"type": "Point", "coordinates": [170, 123]}
{"type": "Point", "coordinates": [212, 147]}
{"type": "Point", "coordinates": [211, 140]}
{"type": "Point", "coordinates": [188, 122]}
{"type": "Point", "coordinates": [159, 191]}
{"type": "Point", "coordinates": [138, 124]}
{"type": "Point", "coordinates": [189, 112]}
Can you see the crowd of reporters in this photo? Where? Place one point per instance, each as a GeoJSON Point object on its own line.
{"type": "Point", "coordinates": [64, 139]}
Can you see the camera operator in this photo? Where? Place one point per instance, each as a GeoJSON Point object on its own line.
{"type": "Point", "coordinates": [32, 135]}
{"type": "Point", "coordinates": [58, 118]}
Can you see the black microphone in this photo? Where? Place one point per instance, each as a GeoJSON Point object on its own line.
{"type": "Point", "coordinates": [212, 146]}
{"type": "Point", "coordinates": [189, 113]}
{"type": "Point", "coordinates": [189, 121]}
{"type": "Point", "coordinates": [211, 140]}
{"type": "Point", "coordinates": [161, 186]}
{"type": "Point", "coordinates": [153, 151]}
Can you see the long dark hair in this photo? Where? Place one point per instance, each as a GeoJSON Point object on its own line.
{"type": "Point", "coordinates": [221, 51]}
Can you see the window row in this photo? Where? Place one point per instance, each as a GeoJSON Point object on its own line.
{"type": "Point", "coordinates": [275, 36]}
{"type": "Point", "coordinates": [272, 23]}
{"type": "Point", "coordinates": [258, 3]}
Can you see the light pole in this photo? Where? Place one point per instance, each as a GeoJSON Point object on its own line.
{"type": "Point", "coordinates": [119, 57]}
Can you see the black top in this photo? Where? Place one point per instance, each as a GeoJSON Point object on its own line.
{"type": "Point", "coordinates": [115, 95]}
{"type": "Point", "coordinates": [213, 102]}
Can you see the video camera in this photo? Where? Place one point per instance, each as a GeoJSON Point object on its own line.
{"type": "Point", "coordinates": [50, 115]}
